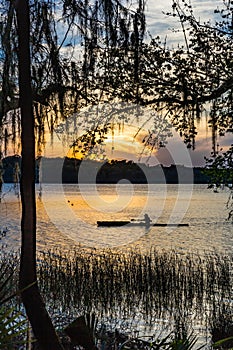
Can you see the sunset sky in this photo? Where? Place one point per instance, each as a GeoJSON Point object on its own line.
{"type": "Point", "coordinates": [124, 145]}
{"type": "Point", "coordinates": [160, 24]}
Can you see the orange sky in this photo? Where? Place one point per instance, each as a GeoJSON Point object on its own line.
{"type": "Point", "coordinates": [124, 145]}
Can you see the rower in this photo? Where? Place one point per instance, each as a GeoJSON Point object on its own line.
{"type": "Point", "coordinates": [147, 220]}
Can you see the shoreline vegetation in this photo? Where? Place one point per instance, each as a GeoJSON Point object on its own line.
{"type": "Point", "coordinates": [109, 172]}
{"type": "Point", "coordinates": [155, 290]}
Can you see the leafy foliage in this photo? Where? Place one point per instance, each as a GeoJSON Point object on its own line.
{"type": "Point", "coordinates": [219, 169]}
{"type": "Point", "coordinates": [13, 328]}
{"type": "Point", "coordinates": [100, 55]}
{"type": "Point", "coordinates": [13, 324]}
{"type": "Point", "coordinates": [166, 343]}
{"type": "Point", "coordinates": [66, 41]}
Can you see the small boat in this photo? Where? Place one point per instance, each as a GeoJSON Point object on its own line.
{"type": "Point", "coordinates": [135, 223]}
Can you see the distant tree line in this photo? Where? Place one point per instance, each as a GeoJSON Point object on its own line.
{"type": "Point", "coordinates": [110, 172]}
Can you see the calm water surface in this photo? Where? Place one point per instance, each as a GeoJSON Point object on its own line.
{"type": "Point", "coordinates": [67, 217]}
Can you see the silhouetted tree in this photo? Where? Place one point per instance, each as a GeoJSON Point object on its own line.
{"type": "Point", "coordinates": [101, 58]}
{"type": "Point", "coordinates": [47, 85]}
{"type": "Point", "coordinates": [35, 307]}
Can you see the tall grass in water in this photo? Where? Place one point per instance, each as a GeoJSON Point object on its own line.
{"type": "Point", "coordinates": [154, 285]}
{"type": "Point", "coordinates": [9, 270]}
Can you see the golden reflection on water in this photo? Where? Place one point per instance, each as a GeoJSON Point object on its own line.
{"type": "Point", "coordinates": [206, 215]}
{"type": "Point", "coordinates": [106, 207]}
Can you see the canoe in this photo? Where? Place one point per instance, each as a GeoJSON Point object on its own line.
{"type": "Point", "coordinates": [134, 223]}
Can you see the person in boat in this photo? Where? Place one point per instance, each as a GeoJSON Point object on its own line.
{"type": "Point", "coordinates": [147, 220]}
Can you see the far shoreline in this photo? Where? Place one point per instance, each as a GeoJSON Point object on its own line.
{"type": "Point", "coordinates": [106, 172]}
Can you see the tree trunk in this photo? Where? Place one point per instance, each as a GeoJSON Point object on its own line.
{"type": "Point", "coordinates": [34, 305]}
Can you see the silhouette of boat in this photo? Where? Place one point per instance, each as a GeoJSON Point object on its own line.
{"type": "Point", "coordinates": [135, 223]}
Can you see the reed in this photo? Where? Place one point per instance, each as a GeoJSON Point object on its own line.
{"type": "Point", "coordinates": [9, 270]}
{"type": "Point", "coordinates": [182, 288]}
{"type": "Point", "coordinates": [124, 287]}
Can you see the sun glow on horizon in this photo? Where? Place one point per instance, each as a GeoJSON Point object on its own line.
{"type": "Point", "coordinates": [119, 144]}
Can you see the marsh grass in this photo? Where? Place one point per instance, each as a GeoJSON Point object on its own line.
{"type": "Point", "coordinates": [9, 264]}
{"type": "Point", "coordinates": [162, 290]}
{"type": "Point", "coordinates": [185, 289]}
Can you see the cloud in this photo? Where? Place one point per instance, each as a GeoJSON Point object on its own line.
{"type": "Point", "coordinates": [159, 23]}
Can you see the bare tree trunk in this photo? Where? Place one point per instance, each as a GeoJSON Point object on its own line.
{"type": "Point", "coordinates": [41, 323]}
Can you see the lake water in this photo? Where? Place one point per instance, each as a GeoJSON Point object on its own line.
{"type": "Point", "coordinates": [67, 217]}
